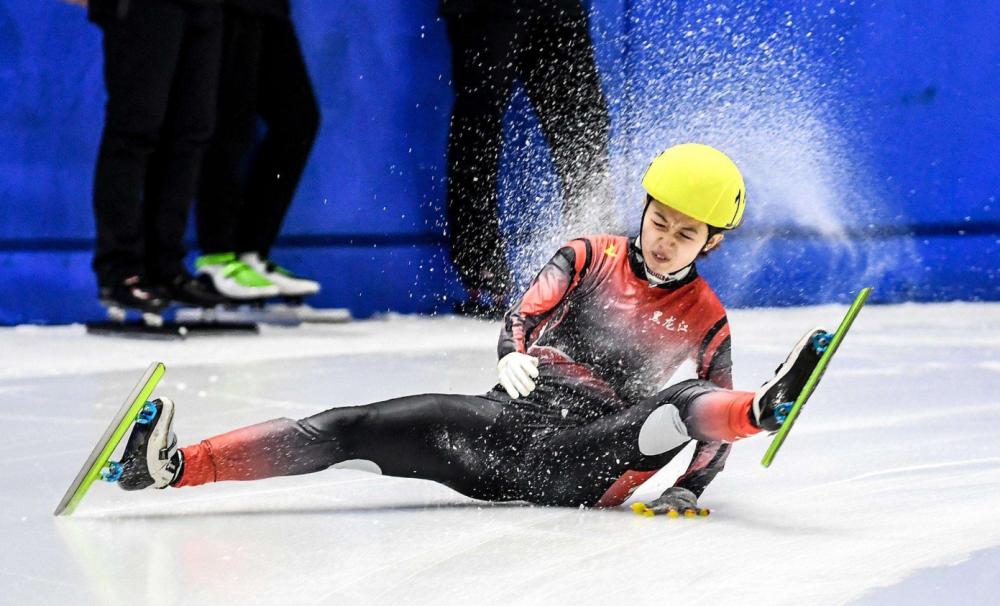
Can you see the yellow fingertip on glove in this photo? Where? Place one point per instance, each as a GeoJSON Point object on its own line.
{"type": "Point", "coordinates": [643, 510]}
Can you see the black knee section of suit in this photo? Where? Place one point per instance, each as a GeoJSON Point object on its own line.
{"type": "Point", "coordinates": [342, 425]}
{"type": "Point", "coordinates": [683, 394]}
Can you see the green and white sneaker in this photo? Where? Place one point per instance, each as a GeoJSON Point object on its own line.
{"type": "Point", "coordinates": [234, 278]}
{"type": "Point", "coordinates": [288, 283]}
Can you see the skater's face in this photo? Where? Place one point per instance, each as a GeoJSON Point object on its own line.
{"type": "Point", "coordinates": [672, 240]}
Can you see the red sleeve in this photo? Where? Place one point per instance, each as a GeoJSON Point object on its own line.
{"type": "Point", "coordinates": [547, 291]}
{"type": "Point", "coordinates": [709, 459]}
{"type": "Point", "coordinates": [715, 364]}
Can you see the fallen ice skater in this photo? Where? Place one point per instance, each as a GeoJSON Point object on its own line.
{"type": "Point", "coordinates": [577, 418]}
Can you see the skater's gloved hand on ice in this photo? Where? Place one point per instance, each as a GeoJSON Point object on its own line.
{"type": "Point", "coordinates": [517, 371]}
{"type": "Point", "coordinates": [673, 502]}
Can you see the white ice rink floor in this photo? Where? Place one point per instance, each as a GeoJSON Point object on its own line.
{"type": "Point", "coordinates": [887, 492]}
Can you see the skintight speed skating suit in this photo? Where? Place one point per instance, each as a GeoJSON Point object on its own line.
{"type": "Point", "coordinates": [596, 426]}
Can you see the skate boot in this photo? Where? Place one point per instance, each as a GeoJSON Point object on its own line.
{"type": "Point", "coordinates": [151, 457]}
{"type": "Point", "coordinates": [235, 279]}
{"type": "Point", "coordinates": [133, 293]}
{"type": "Point", "coordinates": [290, 286]}
{"type": "Point", "coordinates": [775, 398]}
{"type": "Point", "coordinates": [193, 291]}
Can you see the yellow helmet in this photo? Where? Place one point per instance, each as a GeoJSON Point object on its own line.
{"type": "Point", "coordinates": [699, 181]}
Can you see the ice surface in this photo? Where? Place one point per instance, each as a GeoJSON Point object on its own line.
{"type": "Point", "coordinates": [894, 468]}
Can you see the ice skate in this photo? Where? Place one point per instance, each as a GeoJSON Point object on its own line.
{"type": "Point", "coordinates": [133, 293]}
{"type": "Point", "coordinates": [194, 291]}
{"type": "Point", "coordinates": [151, 458]}
{"type": "Point", "coordinates": [98, 465]}
{"type": "Point", "coordinates": [775, 398]}
{"type": "Point", "coordinates": [235, 279]}
{"type": "Point", "coordinates": [291, 287]}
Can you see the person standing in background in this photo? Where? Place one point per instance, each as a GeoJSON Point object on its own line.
{"type": "Point", "coordinates": [161, 68]}
{"type": "Point", "coordinates": [239, 213]}
{"type": "Point", "coordinates": [547, 45]}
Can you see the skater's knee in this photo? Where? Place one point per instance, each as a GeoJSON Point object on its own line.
{"type": "Point", "coordinates": [458, 410]}
{"type": "Point", "coordinates": [683, 393]}
{"type": "Point", "coordinates": [333, 423]}
{"type": "Point", "coordinates": [434, 410]}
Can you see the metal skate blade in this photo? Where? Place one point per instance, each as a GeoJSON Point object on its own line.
{"type": "Point", "coordinates": [244, 314]}
{"type": "Point", "coordinates": [306, 313]}
{"type": "Point", "coordinates": [117, 314]}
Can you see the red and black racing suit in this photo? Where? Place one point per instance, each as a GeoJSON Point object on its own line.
{"type": "Point", "coordinates": [591, 431]}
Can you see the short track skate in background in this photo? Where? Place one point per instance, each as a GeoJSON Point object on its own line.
{"type": "Point", "coordinates": [98, 465]}
{"type": "Point", "coordinates": [180, 329]}
{"type": "Point", "coordinates": [827, 345]}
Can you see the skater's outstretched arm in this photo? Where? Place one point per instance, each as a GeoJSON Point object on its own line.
{"type": "Point", "coordinates": [708, 460]}
{"type": "Point", "coordinates": [715, 364]}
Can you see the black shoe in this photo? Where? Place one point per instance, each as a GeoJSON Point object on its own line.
{"type": "Point", "coordinates": [194, 291]}
{"type": "Point", "coordinates": [151, 457]}
{"type": "Point", "coordinates": [133, 293]}
{"type": "Point", "coordinates": [788, 381]}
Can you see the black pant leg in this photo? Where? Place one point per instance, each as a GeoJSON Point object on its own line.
{"type": "Point", "coordinates": [141, 53]}
{"type": "Point", "coordinates": [287, 103]}
{"type": "Point", "coordinates": [220, 195]}
{"type": "Point", "coordinates": [443, 438]}
{"type": "Point", "coordinates": [560, 74]}
{"type": "Point", "coordinates": [483, 53]}
{"type": "Point", "coordinates": [174, 176]}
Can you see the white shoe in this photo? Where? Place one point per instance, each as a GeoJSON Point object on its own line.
{"type": "Point", "coordinates": [288, 283]}
{"type": "Point", "coordinates": [235, 279]}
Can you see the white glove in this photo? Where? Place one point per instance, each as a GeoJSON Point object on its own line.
{"type": "Point", "coordinates": [516, 373]}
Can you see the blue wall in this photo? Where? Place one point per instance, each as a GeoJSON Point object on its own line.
{"type": "Point", "coordinates": [868, 133]}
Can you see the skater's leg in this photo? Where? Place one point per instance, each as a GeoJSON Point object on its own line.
{"type": "Point", "coordinates": [601, 462]}
{"type": "Point", "coordinates": [432, 437]}
{"type": "Point", "coordinates": [713, 414]}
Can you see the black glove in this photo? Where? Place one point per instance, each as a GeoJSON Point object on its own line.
{"type": "Point", "coordinates": [673, 502]}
